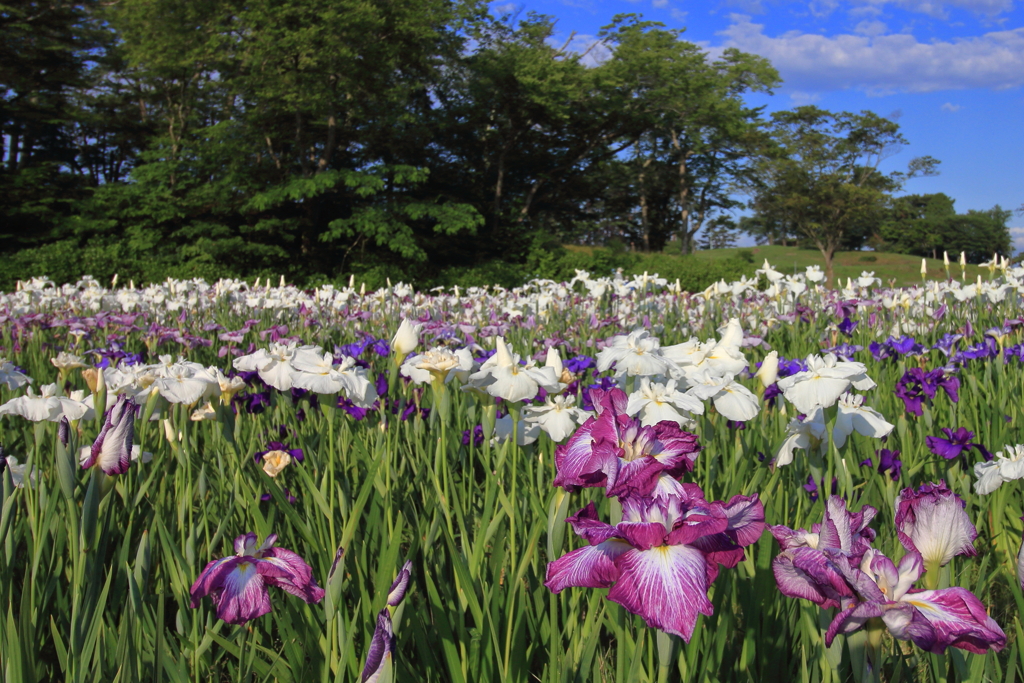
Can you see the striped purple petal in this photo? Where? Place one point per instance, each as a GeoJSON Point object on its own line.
{"type": "Point", "coordinates": [958, 618]}
{"type": "Point", "coordinates": [591, 566]}
{"type": "Point", "coordinates": [667, 586]}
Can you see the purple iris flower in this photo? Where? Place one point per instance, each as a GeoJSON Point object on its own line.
{"type": "Point", "coordinates": [1015, 351]}
{"type": "Point", "coordinates": [578, 364]}
{"type": "Point", "coordinates": [846, 352]}
{"type": "Point", "coordinates": [357, 412]}
{"type": "Point", "coordinates": [353, 350]}
{"type": "Point", "coordinates": [946, 344]}
{"type": "Point", "coordinates": [955, 443]}
{"type": "Point", "coordinates": [912, 389]}
{"type": "Point", "coordinates": [381, 385]}
{"type": "Point", "coordinates": [847, 326]}
{"type": "Point", "coordinates": [932, 619]}
{"type": "Point", "coordinates": [237, 584]}
{"type": "Point", "coordinates": [938, 379]}
{"type": "Point", "coordinates": [802, 570]}
{"type": "Point", "coordinates": [880, 351]}
{"type": "Point", "coordinates": [905, 346]}
{"type": "Point", "coordinates": [771, 393]}
{"type": "Point", "coordinates": [812, 488]}
{"type": "Point", "coordinates": [381, 347]}
{"type": "Point", "coordinates": [660, 560]}
{"type": "Point", "coordinates": [988, 348]}
{"type": "Point", "coordinates": [792, 366]}
{"type": "Point", "coordinates": [615, 451]}
{"type": "Point", "coordinates": [476, 435]}
{"type": "Point", "coordinates": [603, 384]}
{"type": "Point", "coordinates": [889, 461]}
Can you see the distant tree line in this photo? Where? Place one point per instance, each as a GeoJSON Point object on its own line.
{"type": "Point", "coordinates": [317, 138]}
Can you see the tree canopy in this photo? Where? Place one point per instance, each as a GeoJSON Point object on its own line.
{"type": "Point", "coordinates": [316, 138]}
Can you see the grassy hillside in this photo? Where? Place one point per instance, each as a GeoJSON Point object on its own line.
{"type": "Point", "coordinates": [900, 268]}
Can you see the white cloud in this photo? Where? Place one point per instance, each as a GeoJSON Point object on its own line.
{"type": "Point", "coordinates": [747, 6]}
{"type": "Point", "coordinates": [660, 3]}
{"type": "Point", "coordinates": [937, 8]}
{"type": "Point", "coordinates": [801, 98]}
{"type": "Point", "coordinates": [504, 8]}
{"type": "Point", "coordinates": [871, 28]}
{"type": "Point", "coordinates": [679, 15]}
{"type": "Point", "coordinates": [886, 63]}
{"type": "Point", "coordinates": [1017, 235]}
{"type": "Point", "coordinates": [950, 107]}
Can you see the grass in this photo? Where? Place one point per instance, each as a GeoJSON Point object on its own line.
{"type": "Point", "coordinates": [901, 269]}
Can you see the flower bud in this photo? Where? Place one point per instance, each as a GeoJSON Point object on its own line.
{"type": "Point", "coordinates": [407, 338]}
{"type": "Point", "coordinates": [398, 589]}
{"type": "Point", "coordinates": [769, 370]}
{"type": "Point", "coordinates": [112, 450]}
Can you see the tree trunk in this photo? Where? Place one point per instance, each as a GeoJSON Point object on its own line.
{"type": "Point", "coordinates": [332, 141]}
{"type": "Point", "coordinates": [684, 194]}
{"type": "Point", "coordinates": [645, 211]}
{"type": "Point", "coordinates": [828, 251]}
{"type": "Point", "coordinates": [499, 188]}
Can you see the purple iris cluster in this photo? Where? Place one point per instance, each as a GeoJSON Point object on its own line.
{"type": "Point", "coordinates": [834, 566]}
{"type": "Point", "coordinates": [895, 347]}
{"type": "Point", "coordinates": [888, 461]}
{"type": "Point", "coordinates": [956, 442]}
{"type": "Point", "coordinates": [916, 385]}
{"type": "Point", "coordinates": [661, 558]}
{"type": "Point", "coordinates": [114, 354]}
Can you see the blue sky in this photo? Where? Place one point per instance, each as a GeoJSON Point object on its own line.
{"type": "Point", "coordinates": [952, 70]}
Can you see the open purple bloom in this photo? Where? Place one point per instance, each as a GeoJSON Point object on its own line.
{"type": "Point", "coordinates": [938, 379]}
{"type": "Point", "coordinates": [802, 570]}
{"type": "Point", "coordinates": [847, 326]}
{"type": "Point", "coordinates": [880, 351]}
{"type": "Point", "coordinates": [616, 451]}
{"type": "Point", "coordinates": [947, 343]}
{"type": "Point", "coordinates": [956, 442]}
{"type": "Point", "coordinates": [661, 558]}
{"type": "Point", "coordinates": [237, 584]}
{"type": "Point", "coordinates": [932, 619]}
{"type": "Point", "coordinates": [932, 521]}
{"type": "Point", "coordinates": [905, 346]}
{"type": "Point", "coordinates": [112, 449]}
{"type": "Point", "coordinates": [846, 352]}
{"type": "Point", "coordinates": [911, 388]}
{"type": "Point", "coordinates": [889, 461]}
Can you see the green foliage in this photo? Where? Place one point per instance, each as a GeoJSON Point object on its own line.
{"type": "Point", "coordinates": [928, 225]}
{"type": "Point", "coordinates": [819, 176]}
{"type": "Point", "coordinates": [695, 274]}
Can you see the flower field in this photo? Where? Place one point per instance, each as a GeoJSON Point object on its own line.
{"type": "Point", "coordinates": [598, 480]}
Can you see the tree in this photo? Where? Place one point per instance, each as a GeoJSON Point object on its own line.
{"type": "Point", "coordinates": [821, 176]}
{"type": "Point", "coordinates": [917, 224]}
{"type": "Point", "coordinates": [698, 130]}
{"type": "Point", "coordinates": [719, 233]}
{"type": "Point", "coordinates": [44, 61]}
